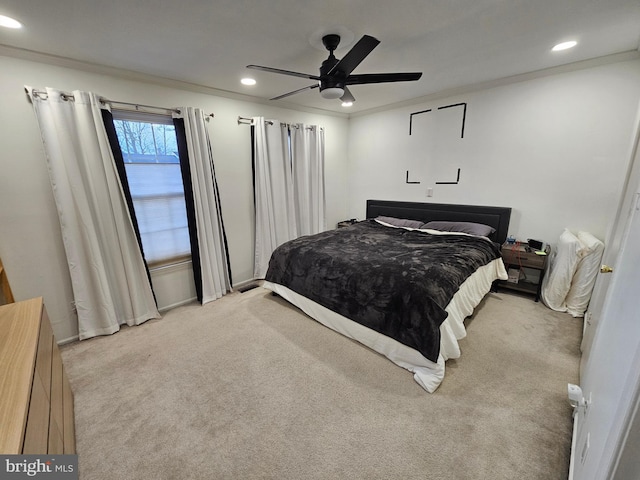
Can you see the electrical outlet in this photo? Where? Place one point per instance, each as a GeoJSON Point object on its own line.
{"type": "Point", "coordinates": [429, 192]}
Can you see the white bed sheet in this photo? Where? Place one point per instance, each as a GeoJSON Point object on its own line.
{"type": "Point", "coordinates": [426, 373]}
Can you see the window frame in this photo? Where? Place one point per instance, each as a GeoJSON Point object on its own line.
{"type": "Point", "coordinates": [161, 119]}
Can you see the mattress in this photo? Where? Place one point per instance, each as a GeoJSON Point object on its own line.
{"type": "Point", "coordinates": [428, 374]}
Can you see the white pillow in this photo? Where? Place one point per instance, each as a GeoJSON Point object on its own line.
{"type": "Point", "coordinates": [584, 278]}
{"type": "Point", "coordinates": [557, 281]}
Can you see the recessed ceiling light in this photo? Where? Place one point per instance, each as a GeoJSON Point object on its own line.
{"type": "Point", "coordinates": [9, 22]}
{"type": "Point", "coordinates": [564, 46]}
{"type": "Point", "coordinates": [248, 81]}
{"type": "Point", "coordinates": [347, 104]}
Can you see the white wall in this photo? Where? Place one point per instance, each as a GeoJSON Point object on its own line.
{"type": "Point", "coordinates": [30, 243]}
{"type": "Point", "coordinates": [555, 149]}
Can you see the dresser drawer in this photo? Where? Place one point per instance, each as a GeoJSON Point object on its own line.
{"type": "Point", "coordinates": [36, 402]}
{"type": "Point", "coordinates": [36, 436]}
{"type": "Point", "coordinates": [43, 356]}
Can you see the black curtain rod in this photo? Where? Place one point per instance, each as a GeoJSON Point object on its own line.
{"type": "Point", "coordinates": [103, 100]}
{"type": "Point", "coordinates": [137, 106]}
{"type": "Point", "coordinates": [249, 121]}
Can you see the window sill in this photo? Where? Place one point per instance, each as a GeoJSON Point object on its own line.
{"type": "Point", "coordinates": [173, 267]}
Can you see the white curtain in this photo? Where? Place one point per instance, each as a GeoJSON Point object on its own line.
{"type": "Point", "coordinates": [289, 185]}
{"type": "Point", "coordinates": [211, 241]}
{"type": "Point", "coordinates": [274, 197]}
{"type": "Point", "coordinates": [108, 273]}
{"type": "Point", "coordinates": [307, 145]}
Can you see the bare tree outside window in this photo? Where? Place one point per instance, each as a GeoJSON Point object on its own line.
{"type": "Point", "coordinates": [147, 142]}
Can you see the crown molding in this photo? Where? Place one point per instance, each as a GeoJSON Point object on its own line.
{"type": "Point", "coordinates": [65, 62]}
{"type": "Point", "coordinates": [630, 55]}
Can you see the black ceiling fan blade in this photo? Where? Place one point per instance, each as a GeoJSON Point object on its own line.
{"type": "Point", "coordinates": [383, 78]}
{"type": "Point", "coordinates": [347, 96]}
{"type": "Point", "coordinates": [310, 87]}
{"type": "Point", "coordinates": [358, 53]}
{"type": "Point", "coordinates": [283, 72]}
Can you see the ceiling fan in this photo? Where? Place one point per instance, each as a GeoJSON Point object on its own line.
{"type": "Point", "coordinates": [335, 75]}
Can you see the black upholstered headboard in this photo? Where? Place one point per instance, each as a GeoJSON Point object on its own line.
{"type": "Point", "coordinates": [496, 217]}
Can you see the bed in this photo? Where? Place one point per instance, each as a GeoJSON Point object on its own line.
{"type": "Point", "coordinates": [394, 282]}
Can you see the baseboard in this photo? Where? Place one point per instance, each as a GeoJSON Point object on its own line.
{"type": "Point", "coordinates": [177, 304]}
{"type": "Point", "coordinates": [574, 441]}
{"type": "Point", "coordinates": [76, 338]}
{"type": "Point", "coordinates": [247, 283]}
{"type": "Point", "coordinates": [72, 339]}
{"type": "Point", "coordinates": [238, 286]}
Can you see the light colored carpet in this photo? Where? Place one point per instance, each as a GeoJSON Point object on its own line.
{"type": "Point", "coordinates": [248, 387]}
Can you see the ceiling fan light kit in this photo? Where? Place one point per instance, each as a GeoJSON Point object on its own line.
{"type": "Point", "coordinates": [331, 93]}
{"type": "Point", "coordinates": [335, 74]}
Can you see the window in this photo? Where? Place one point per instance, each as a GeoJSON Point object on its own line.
{"type": "Point", "coordinates": [149, 147]}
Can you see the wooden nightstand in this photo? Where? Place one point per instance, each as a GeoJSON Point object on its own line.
{"type": "Point", "coordinates": [522, 257]}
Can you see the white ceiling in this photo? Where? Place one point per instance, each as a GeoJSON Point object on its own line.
{"type": "Point", "coordinates": [455, 43]}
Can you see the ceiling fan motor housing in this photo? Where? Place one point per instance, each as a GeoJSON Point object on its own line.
{"type": "Point", "coordinates": [335, 80]}
{"type": "Point", "coordinates": [331, 41]}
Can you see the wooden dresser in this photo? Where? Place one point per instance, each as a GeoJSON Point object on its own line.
{"type": "Point", "coordinates": [36, 402]}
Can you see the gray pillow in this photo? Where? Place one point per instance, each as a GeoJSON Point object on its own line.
{"type": "Point", "coordinates": [400, 222]}
{"type": "Point", "coordinates": [463, 227]}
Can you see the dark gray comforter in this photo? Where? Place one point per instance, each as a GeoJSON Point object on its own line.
{"type": "Point", "coordinates": [395, 281]}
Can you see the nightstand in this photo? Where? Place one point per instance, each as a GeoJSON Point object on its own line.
{"type": "Point", "coordinates": [521, 257]}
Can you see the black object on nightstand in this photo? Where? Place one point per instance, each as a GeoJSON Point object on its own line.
{"type": "Point", "coordinates": [346, 223]}
{"type": "Point", "coordinates": [517, 256]}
